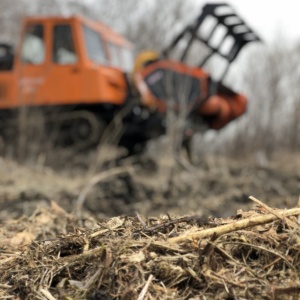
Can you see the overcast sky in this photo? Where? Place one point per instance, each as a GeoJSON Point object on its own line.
{"type": "Point", "coordinates": [268, 18]}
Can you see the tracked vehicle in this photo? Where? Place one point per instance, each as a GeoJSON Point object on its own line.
{"type": "Point", "coordinates": [79, 74]}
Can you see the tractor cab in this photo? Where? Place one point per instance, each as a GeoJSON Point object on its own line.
{"type": "Point", "coordinates": [65, 61]}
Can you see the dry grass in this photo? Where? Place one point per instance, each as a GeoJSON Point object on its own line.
{"type": "Point", "coordinates": [48, 256]}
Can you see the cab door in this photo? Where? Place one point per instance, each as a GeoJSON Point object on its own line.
{"type": "Point", "coordinates": [32, 64]}
{"type": "Point", "coordinates": [65, 79]}
{"type": "Point", "coordinates": [105, 83]}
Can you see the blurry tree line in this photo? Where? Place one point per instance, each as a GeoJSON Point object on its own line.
{"type": "Point", "coordinates": [268, 74]}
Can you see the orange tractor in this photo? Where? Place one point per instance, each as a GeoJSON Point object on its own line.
{"type": "Point", "coordinates": [81, 75]}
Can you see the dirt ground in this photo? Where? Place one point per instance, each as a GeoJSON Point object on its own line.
{"type": "Point", "coordinates": [147, 228]}
{"type": "Point", "coordinates": [211, 186]}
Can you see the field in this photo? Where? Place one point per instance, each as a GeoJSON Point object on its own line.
{"type": "Point", "coordinates": [149, 229]}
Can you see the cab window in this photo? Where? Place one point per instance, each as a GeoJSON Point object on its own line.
{"type": "Point", "coordinates": [63, 45]}
{"type": "Point", "coordinates": [94, 46]}
{"type": "Point", "coordinates": [114, 55]}
{"type": "Point", "coordinates": [127, 59]}
{"type": "Point", "coordinates": [33, 46]}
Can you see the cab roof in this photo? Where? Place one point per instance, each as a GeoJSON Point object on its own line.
{"type": "Point", "coordinates": [108, 33]}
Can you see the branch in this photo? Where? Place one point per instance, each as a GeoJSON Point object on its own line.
{"type": "Point", "coordinates": [241, 224]}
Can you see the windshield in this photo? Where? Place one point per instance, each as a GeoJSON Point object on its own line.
{"type": "Point", "coordinates": [94, 46]}
{"type": "Point", "coordinates": [127, 59]}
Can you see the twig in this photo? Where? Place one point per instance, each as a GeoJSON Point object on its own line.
{"type": "Point", "coordinates": [159, 227]}
{"type": "Point", "coordinates": [241, 224]}
{"type": "Point", "coordinates": [265, 206]}
{"type": "Point", "coordinates": [92, 279]}
{"type": "Point", "coordinates": [87, 254]}
{"type": "Point", "coordinates": [140, 219]}
{"type": "Point", "coordinates": [47, 294]}
{"type": "Point", "coordinates": [272, 211]}
{"type": "Point", "coordinates": [145, 288]}
{"type": "Point", "coordinates": [100, 232]}
{"type": "Point", "coordinates": [96, 179]}
{"type": "Point", "coordinates": [5, 286]}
